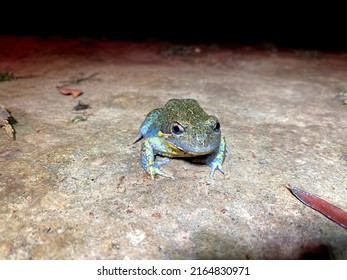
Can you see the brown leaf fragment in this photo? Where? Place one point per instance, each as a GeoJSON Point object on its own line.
{"type": "Point", "coordinates": [156, 215]}
{"type": "Point", "coordinates": [9, 130]}
{"type": "Point", "coordinates": [4, 122]}
{"type": "Point", "coordinates": [67, 91]}
{"type": "Point", "coordinates": [4, 115]}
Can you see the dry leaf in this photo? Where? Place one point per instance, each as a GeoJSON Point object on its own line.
{"type": "Point", "coordinates": [78, 118]}
{"type": "Point", "coordinates": [9, 129]}
{"type": "Point", "coordinates": [81, 106]}
{"type": "Point", "coordinates": [7, 77]}
{"type": "Point", "coordinates": [329, 210]}
{"type": "Point", "coordinates": [4, 115]}
{"type": "Point", "coordinates": [67, 91]}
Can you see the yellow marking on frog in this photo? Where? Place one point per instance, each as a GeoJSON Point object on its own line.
{"type": "Point", "coordinates": [161, 134]}
{"type": "Point", "coordinates": [171, 148]}
{"type": "Point", "coordinates": [176, 151]}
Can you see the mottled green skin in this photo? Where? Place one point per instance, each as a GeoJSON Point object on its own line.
{"type": "Point", "coordinates": [181, 129]}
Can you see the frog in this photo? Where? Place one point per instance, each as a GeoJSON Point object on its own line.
{"type": "Point", "coordinates": [181, 129]}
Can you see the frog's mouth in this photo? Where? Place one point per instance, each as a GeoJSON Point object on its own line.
{"type": "Point", "coordinates": [178, 151]}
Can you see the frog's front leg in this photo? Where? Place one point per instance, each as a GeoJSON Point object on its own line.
{"type": "Point", "coordinates": [215, 160]}
{"type": "Point", "coordinates": [148, 161]}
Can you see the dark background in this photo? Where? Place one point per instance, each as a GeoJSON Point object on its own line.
{"type": "Point", "coordinates": [287, 25]}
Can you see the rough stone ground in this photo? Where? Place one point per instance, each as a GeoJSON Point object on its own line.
{"type": "Point", "coordinates": [77, 190]}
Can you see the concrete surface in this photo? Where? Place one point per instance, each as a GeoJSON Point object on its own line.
{"type": "Point", "coordinates": [76, 190]}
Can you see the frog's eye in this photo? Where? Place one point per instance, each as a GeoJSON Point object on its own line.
{"type": "Point", "coordinates": [176, 128]}
{"type": "Point", "coordinates": [216, 127]}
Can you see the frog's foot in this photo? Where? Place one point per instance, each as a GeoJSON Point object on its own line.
{"type": "Point", "coordinates": [215, 160]}
{"type": "Point", "coordinates": [154, 169]}
{"type": "Point", "coordinates": [215, 166]}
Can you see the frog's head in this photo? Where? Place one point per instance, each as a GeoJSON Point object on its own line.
{"type": "Point", "coordinates": [186, 139]}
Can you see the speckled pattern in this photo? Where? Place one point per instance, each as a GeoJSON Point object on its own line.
{"type": "Point", "coordinates": [76, 190]}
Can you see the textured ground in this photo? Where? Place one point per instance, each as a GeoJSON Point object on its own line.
{"type": "Point", "coordinates": [76, 190]}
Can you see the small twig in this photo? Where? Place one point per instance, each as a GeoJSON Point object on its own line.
{"type": "Point", "coordinates": [79, 80]}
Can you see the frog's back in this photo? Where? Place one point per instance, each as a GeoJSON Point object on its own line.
{"type": "Point", "coordinates": [184, 110]}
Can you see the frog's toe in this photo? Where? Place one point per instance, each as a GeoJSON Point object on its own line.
{"type": "Point", "coordinates": [154, 170]}
{"type": "Point", "coordinates": [161, 162]}
{"type": "Point", "coordinates": [215, 167]}
{"type": "Point", "coordinates": [164, 174]}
